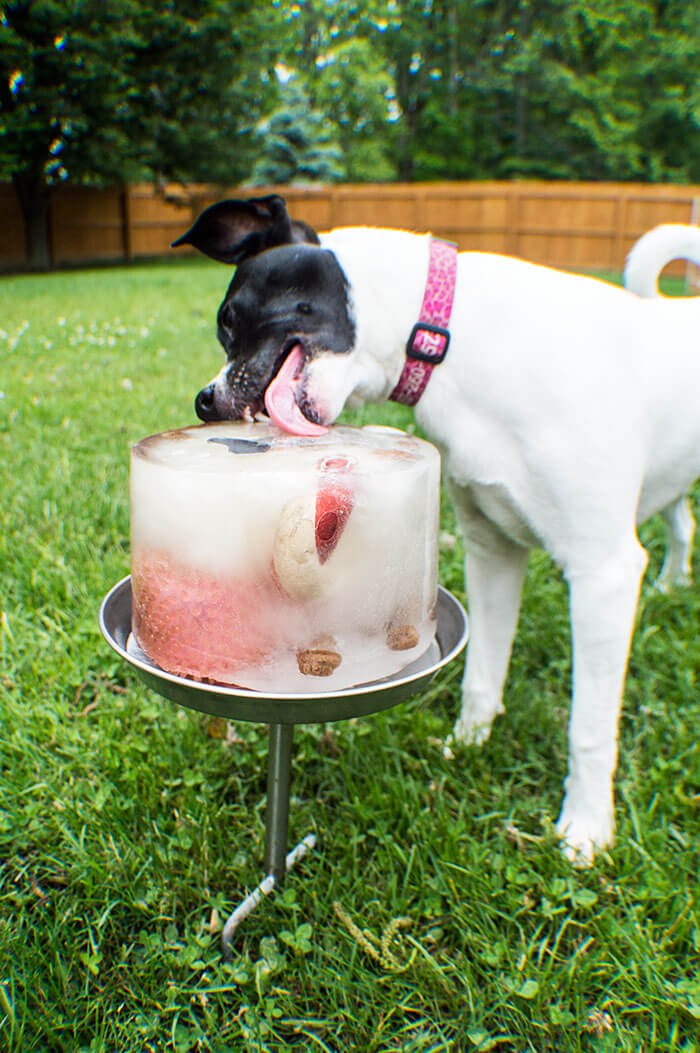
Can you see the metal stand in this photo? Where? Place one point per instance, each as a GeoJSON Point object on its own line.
{"type": "Point", "coordinates": [281, 712]}
{"type": "Point", "coordinates": [277, 860]}
{"type": "Point", "coordinates": [279, 764]}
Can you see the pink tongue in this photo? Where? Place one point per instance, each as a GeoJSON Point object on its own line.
{"type": "Point", "coordinates": [280, 398]}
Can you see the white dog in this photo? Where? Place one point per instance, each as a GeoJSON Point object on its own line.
{"type": "Point", "coordinates": [648, 257]}
{"type": "Point", "coordinates": [567, 411]}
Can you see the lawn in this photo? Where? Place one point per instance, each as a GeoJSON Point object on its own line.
{"type": "Point", "coordinates": [436, 913]}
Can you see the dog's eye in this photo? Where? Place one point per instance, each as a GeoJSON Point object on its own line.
{"type": "Point", "coordinates": [304, 308]}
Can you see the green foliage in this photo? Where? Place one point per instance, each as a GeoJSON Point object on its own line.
{"type": "Point", "coordinates": [577, 89]}
{"type": "Point", "coordinates": [436, 913]}
{"type": "Point", "coordinates": [574, 89]}
{"type": "Point", "coordinates": [328, 56]}
{"type": "Point", "coordinates": [448, 89]}
{"type": "Point", "coordinates": [354, 89]}
{"type": "Point", "coordinates": [330, 125]}
{"type": "Point", "coordinates": [295, 143]}
{"type": "Point", "coordinates": [102, 91]}
{"type": "Point", "coordinates": [231, 91]}
{"type": "Point", "coordinates": [619, 71]}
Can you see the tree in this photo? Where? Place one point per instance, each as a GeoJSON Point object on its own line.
{"type": "Point", "coordinates": [105, 90]}
{"type": "Point", "coordinates": [355, 90]}
{"type": "Point", "coordinates": [333, 49]}
{"type": "Point", "coordinates": [217, 90]}
{"type": "Point", "coordinates": [296, 143]}
{"type": "Point", "coordinates": [582, 89]}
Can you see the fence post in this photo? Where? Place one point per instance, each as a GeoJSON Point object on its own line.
{"type": "Point", "coordinates": [617, 263]}
{"type": "Point", "coordinates": [513, 219]}
{"type": "Point", "coordinates": [420, 210]}
{"type": "Point", "coordinates": [334, 198]}
{"type": "Point", "coordinates": [127, 244]}
{"type": "Point", "coordinates": [691, 270]}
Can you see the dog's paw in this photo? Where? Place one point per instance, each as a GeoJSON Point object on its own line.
{"type": "Point", "coordinates": [474, 736]}
{"type": "Point", "coordinates": [472, 730]}
{"type": "Point", "coordinates": [581, 837]}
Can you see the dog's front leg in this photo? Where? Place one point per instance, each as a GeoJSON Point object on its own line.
{"type": "Point", "coordinates": [603, 605]}
{"type": "Point", "coordinates": [494, 572]}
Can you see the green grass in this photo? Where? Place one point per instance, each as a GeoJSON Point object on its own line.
{"type": "Point", "coordinates": [129, 827]}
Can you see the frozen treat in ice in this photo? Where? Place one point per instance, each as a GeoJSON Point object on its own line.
{"type": "Point", "coordinates": [284, 563]}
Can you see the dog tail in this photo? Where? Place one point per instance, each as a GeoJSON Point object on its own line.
{"type": "Point", "coordinates": [656, 248]}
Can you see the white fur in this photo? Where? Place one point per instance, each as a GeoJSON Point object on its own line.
{"type": "Point", "coordinates": [567, 411]}
{"type": "Point", "coordinates": [654, 250]}
{"type": "Point", "coordinates": [648, 257]}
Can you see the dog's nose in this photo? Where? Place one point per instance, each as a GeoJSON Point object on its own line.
{"type": "Point", "coordinates": [205, 405]}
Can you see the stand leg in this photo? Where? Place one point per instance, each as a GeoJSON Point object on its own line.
{"type": "Point", "coordinates": [279, 767]}
{"type": "Point", "coordinates": [277, 860]}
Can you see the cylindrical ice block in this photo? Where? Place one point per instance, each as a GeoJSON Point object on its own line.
{"type": "Point", "coordinates": [280, 563]}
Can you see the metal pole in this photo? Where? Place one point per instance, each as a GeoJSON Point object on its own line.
{"type": "Point", "coordinates": [279, 763]}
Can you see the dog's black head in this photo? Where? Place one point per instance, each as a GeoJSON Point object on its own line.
{"type": "Point", "coordinates": [287, 294]}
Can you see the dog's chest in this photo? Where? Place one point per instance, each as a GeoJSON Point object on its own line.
{"type": "Point", "coordinates": [485, 469]}
{"type": "Point", "coordinates": [483, 463]}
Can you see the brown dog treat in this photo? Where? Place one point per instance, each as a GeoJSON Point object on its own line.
{"type": "Point", "coordinates": [402, 637]}
{"type": "Point", "coordinates": [318, 661]}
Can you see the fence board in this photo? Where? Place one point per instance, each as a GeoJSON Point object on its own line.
{"type": "Point", "coordinates": [86, 225]}
{"type": "Point", "coordinates": [582, 226]}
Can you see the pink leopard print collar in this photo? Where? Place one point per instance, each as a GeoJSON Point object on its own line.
{"type": "Point", "coordinates": [430, 337]}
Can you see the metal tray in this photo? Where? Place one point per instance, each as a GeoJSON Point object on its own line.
{"type": "Point", "coordinates": [236, 703]}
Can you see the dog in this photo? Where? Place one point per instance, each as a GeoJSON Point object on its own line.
{"type": "Point", "coordinates": [566, 409]}
{"type": "Point", "coordinates": [645, 262]}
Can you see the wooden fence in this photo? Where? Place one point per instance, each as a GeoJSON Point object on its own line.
{"type": "Point", "coordinates": [579, 226]}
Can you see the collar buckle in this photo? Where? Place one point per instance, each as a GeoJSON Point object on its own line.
{"type": "Point", "coordinates": [430, 351]}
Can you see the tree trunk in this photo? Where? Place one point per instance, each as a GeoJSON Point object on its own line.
{"type": "Point", "coordinates": [34, 196]}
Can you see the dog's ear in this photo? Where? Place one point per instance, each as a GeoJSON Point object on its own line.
{"type": "Point", "coordinates": [231, 231]}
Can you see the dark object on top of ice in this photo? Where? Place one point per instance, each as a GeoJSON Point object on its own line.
{"type": "Point", "coordinates": [243, 445]}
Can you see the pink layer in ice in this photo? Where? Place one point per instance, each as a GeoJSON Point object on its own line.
{"type": "Point", "coordinates": [205, 626]}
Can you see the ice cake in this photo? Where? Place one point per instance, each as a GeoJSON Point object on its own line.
{"type": "Point", "coordinates": [284, 563]}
